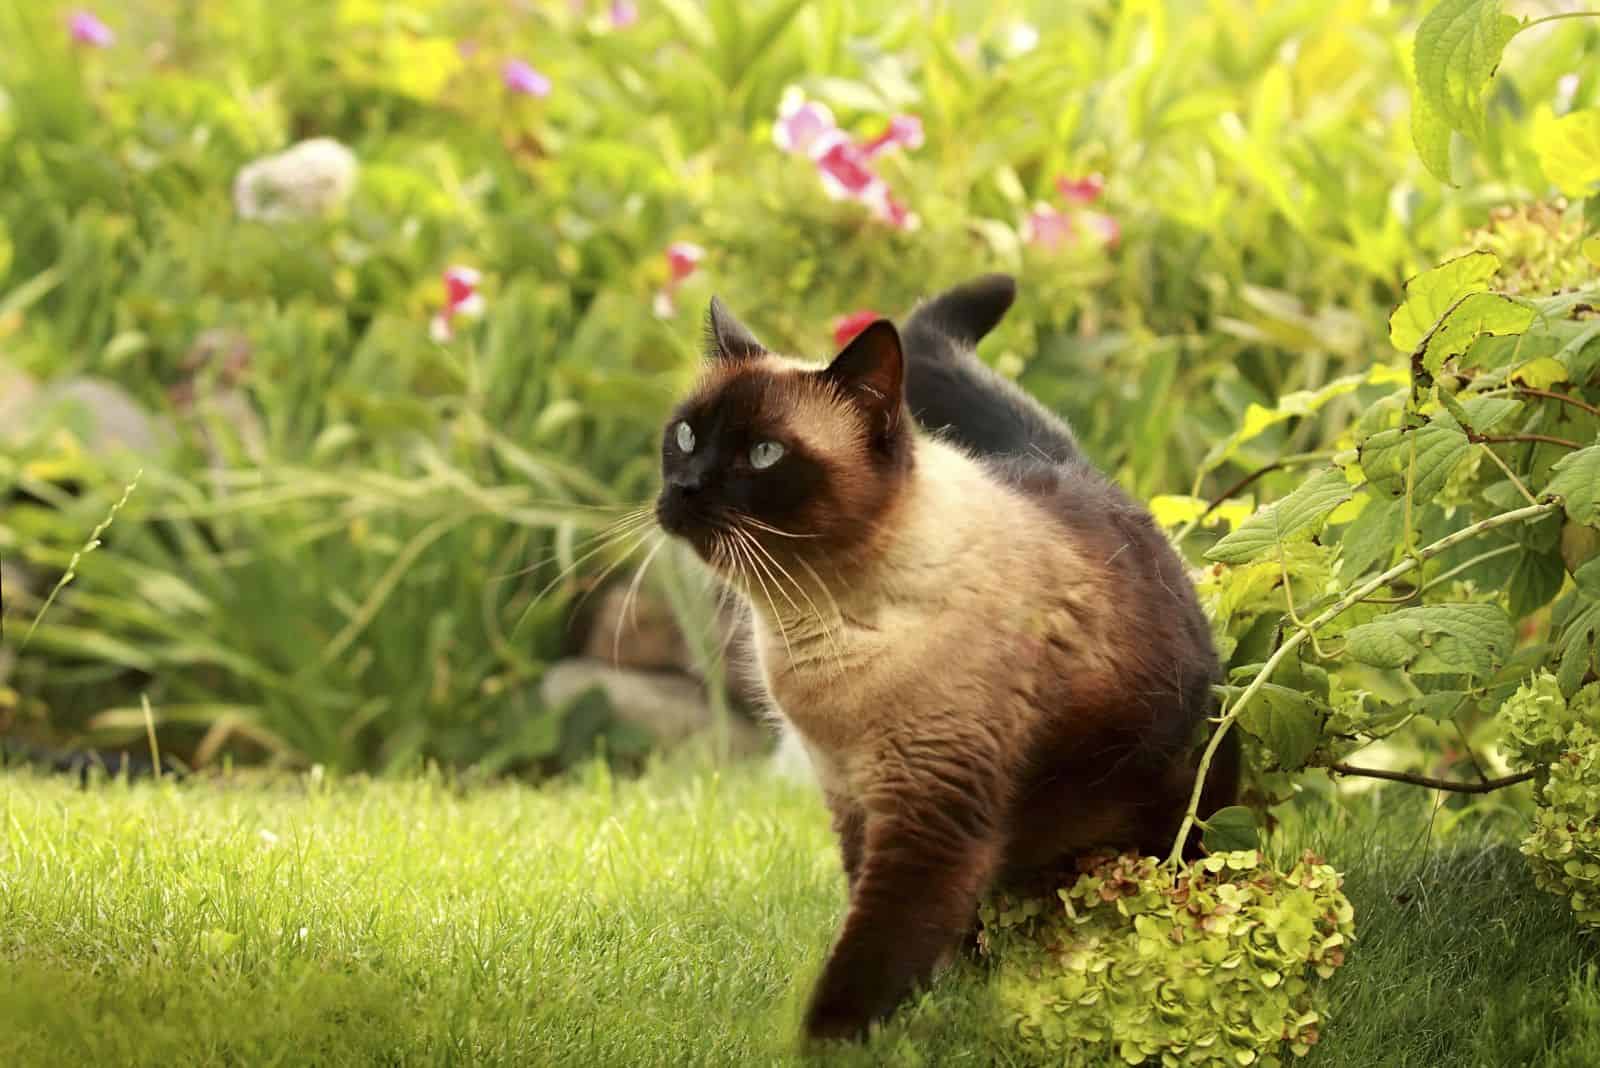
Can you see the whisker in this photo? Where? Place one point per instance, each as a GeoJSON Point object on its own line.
{"type": "Point", "coordinates": [752, 521]}
{"type": "Point", "coordinates": [816, 613]}
{"type": "Point", "coordinates": [622, 526]}
{"type": "Point", "coordinates": [777, 616]}
{"type": "Point", "coordinates": [629, 599]}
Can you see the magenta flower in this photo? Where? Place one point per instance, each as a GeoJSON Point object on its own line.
{"type": "Point", "coordinates": [1047, 228]}
{"type": "Point", "coordinates": [848, 326]}
{"type": "Point", "coordinates": [624, 13]}
{"type": "Point", "coordinates": [1085, 190]}
{"type": "Point", "coordinates": [905, 131]}
{"type": "Point", "coordinates": [683, 259]}
{"type": "Point", "coordinates": [886, 207]}
{"type": "Point", "coordinates": [1105, 227]}
{"type": "Point", "coordinates": [521, 78]}
{"type": "Point", "coordinates": [461, 297]}
{"type": "Point", "coordinates": [844, 171]}
{"type": "Point", "coordinates": [801, 123]}
{"type": "Point", "coordinates": [86, 29]}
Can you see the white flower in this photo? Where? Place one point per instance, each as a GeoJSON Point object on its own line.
{"type": "Point", "coordinates": [304, 181]}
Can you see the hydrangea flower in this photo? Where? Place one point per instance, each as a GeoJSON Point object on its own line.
{"type": "Point", "coordinates": [87, 29]}
{"type": "Point", "coordinates": [461, 297]}
{"type": "Point", "coordinates": [522, 78]}
{"type": "Point", "coordinates": [848, 326]}
{"type": "Point", "coordinates": [305, 180]}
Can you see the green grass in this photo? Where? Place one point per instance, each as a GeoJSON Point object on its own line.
{"type": "Point", "coordinates": [674, 919]}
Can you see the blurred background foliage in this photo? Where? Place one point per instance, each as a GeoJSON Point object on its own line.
{"type": "Point", "coordinates": [342, 524]}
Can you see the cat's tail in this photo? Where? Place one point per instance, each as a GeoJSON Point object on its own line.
{"type": "Point", "coordinates": [951, 391]}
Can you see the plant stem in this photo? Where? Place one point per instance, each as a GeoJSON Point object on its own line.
{"type": "Point", "coordinates": [1484, 787]}
{"type": "Point", "coordinates": [1562, 397]}
{"type": "Point", "coordinates": [1502, 439]}
{"type": "Point", "coordinates": [1405, 566]}
{"type": "Point", "coordinates": [1216, 502]}
{"type": "Point", "coordinates": [1557, 17]}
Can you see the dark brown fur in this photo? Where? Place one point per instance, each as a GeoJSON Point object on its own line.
{"type": "Point", "coordinates": [996, 661]}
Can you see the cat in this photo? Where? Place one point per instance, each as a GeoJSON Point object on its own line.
{"type": "Point", "coordinates": [995, 659]}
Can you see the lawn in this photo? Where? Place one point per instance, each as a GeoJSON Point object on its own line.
{"type": "Point", "coordinates": [673, 918]}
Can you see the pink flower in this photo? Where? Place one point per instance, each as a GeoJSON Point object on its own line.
{"type": "Point", "coordinates": [1085, 190]}
{"type": "Point", "coordinates": [683, 259]}
{"type": "Point", "coordinates": [1103, 226]}
{"type": "Point", "coordinates": [461, 297]}
{"type": "Point", "coordinates": [624, 13]}
{"type": "Point", "coordinates": [844, 171]}
{"type": "Point", "coordinates": [848, 326]}
{"type": "Point", "coordinates": [521, 78]}
{"type": "Point", "coordinates": [890, 210]}
{"type": "Point", "coordinates": [1047, 228]}
{"type": "Point", "coordinates": [86, 29]}
{"type": "Point", "coordinates": [801, 123]}
{"type": "Point", "coordinates": [904, 131]}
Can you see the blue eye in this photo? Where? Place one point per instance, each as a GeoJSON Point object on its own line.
{"type": "Point", "coordinates": [685, 437]}
{"type": "Point", "coordinates": [764, 454]}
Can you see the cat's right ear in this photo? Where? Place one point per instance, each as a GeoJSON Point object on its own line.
{"type": "Point", "coordinates": [727, 338]}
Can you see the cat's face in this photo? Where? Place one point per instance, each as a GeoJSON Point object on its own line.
{"type": "Point", "coordinates": [795, 458]}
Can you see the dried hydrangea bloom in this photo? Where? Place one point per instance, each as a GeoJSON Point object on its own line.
{"type": "Point", "coordinates": [304, 181]}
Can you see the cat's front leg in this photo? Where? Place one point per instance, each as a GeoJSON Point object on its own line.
{"type": "Point", "coordinates": [850, 825]}
{"type": "Point", "coordinates": [911, 904]}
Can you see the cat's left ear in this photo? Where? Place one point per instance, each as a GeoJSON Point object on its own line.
{"type": "Point", "coordinates": [872, 372]}
{"type": "Point", "coordinates": [727, 338]}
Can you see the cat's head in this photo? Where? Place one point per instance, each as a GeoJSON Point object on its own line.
{"type": "Point", "coordinates": [795, 457]}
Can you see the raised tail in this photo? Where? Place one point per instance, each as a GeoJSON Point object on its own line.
{"type": "Point", "coordinates": [951, 391]}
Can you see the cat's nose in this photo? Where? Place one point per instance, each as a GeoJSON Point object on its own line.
{"type": "Point", "coordinates": [686, 485]}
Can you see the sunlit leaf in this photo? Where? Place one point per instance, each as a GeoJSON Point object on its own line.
{"type": "Point", "coordinates": [1297, 514]}
{"type": "Point", "coordinates": [1433, 292]}
{"type": "Point", "coordinates": [1569, 149]}
{"type": "Point", "coordinates": [1577, 483]}
{"type": "Point", "coordinates": [1437, 639]}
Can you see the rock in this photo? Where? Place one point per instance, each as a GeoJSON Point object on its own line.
{"type": "Point", "coordinates": [305, 180]}
{"type": "Point", "coordinates": [105, 418]}
{"type": "Point", "coordinates": [670, 705]}
{"type": "Point", "coordinates": [18, 396]}
{"type": "Point", "coordinates": [645, 637]}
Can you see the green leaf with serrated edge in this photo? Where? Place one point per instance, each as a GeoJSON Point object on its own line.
{"type": "Point", "coordinates": [1457, 48]}
{"type": "Point", "coordinates": [1588, 578]}
{"type": "Point", "coordinates": [1577, 482]}
{"type": "Point", "coordinates": [1298, 513]}
{"type": "Point", "coordinates": [1579, 644]}
{"type": "Point", "coordinates": [1258, 419]}
{"type": "Point", "coordinates": [1431, 136]}
{"type": "Point", "coordinates": [1440, 446]}
{"type": "Point", "coordinates": [1434, 292]}
{"type": "Point", "coordinates": [1485, 413]}
{"type": "Point", "coordinates": [1287, 721]}
{"type": "Point", "coordinates": [1534, 582]}
{"type": "Point", "coordinates": [1230, 829]}
{"type": "Point", "coordinates": [1371, 537]}
{"type": "Point", "coordinates": [1569, 149]}
{"type": "Point", "coordinates": [1469, 318]}
{"type": "Point", "coordinates": [1435, 639]}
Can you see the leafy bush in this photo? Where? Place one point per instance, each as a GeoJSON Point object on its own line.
{"type": "Point", "coordinates": [1221, 966]}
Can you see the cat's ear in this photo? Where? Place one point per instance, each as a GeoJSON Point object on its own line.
{"type": "Point", "coordinates": [727, 338]}
{"type": "Point", "coordinates": [872, 372]}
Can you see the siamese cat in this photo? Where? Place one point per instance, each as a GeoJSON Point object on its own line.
{"type": "Point", "coordinates": [993, 656]}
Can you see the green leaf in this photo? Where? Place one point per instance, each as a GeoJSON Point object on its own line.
{"type": "Point", "coordinates": [1591, 249]}
{"type": "Point", "coordinates": [1431, 136]}
{"type": "Point", "coordinates": [1457, 49]}
{"type": "Point", "coordinates": [1534, 582]}
{"type": "Point", "coordinates": [1569, 149]}
{"type": "Point", "coordinates": [1258, 419]}
{"type": "Point", "coordinates": [1431, 294]}
{"type": "Point", "coordinates": [1469, 318]}
{"type": "Point", "coordinates": [1297, 513]}
{"type": "Point", "coordinates": [1435, 639]}
{"type": "Point", "coordinates": [1577, 482]}
{"type": "Point", "coordinates": [1231, 829]}
{"type": "Point", "coordinates": [1440, 446]}
{"type": "Point", "coordinates": [1372, 536]}
{"type": "Point", "coordinates": [1287, 721]}
{"type": "Point", "coordinates": [1588, 578]}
